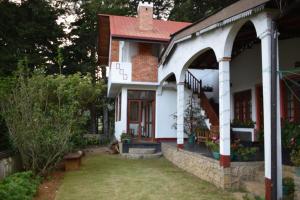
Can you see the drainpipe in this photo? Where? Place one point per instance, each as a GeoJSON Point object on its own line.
{"type": "Point", "coordinates": [274, 116]}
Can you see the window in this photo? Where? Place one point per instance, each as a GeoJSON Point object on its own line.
{"type": "Point", "coordinates": [290, 107]}
{"type": "Point", "coordinates": [292, 99]}
{"type": "Point", "coordinates": [118, 105]}
{"type": "Point", "coordinates": [134, 111]}
{"type": "Point", "coordinates": [243, 106]}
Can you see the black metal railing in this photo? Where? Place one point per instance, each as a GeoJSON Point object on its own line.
{"type": "Point", "coordinates": [193, 83]}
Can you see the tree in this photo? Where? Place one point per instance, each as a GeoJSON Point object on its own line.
{"type": "Point", "coordinates": [193, 10]}
{"type": "Point", "coordinates": [28, 29]}
{"type": "Point", "coordinates": [44, 112]}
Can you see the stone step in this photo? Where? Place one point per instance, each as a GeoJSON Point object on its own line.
{"type": "Point", "coordinates": [141, 151]}
{"type": "Point", "coordinates": [141, 156]}
{"type": "Point", "coordinates": [254, 187]}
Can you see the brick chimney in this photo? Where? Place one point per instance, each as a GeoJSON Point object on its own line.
{"type": "Point", "coordinates": [145, 16]}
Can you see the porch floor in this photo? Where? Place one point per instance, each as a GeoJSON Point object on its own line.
{"type": "Point", "coordinates": [196, 148]}
{"type": "Point", "coordinates": [203, 150]}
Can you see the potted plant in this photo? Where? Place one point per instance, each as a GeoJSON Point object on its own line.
{"type": "Point", "coordinates": [288, 188]}
{"type": "Point", "coordinates": [242, 124]}
{"type": "Point", "coordinates": [207, 88]}
{"type": "Point", "coordinates": [193, 120]}
{"type": "Point", "coordinates": [295, 158]}
{"type": "Point", "coordinates": [213, 145]}
{"type": "Point", "coordinates": [125, 138]}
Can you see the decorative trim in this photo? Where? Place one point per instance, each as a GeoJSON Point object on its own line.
{"type": "Point", "coordinates": [264, 34]}
{"type": "Point", "coordinates": [180, 83]}
{"type": "Point", "coordinates": [224, 161]}
{"type": "Point", "coordinates": [268, 188]}
{"type": "Point", "coordinates": [224, 59]}
{"type": "Point", "coordinates": [180, 146]}
{"type": "Point", "coordinates": [220, 24]}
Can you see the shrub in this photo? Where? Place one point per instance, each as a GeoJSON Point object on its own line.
{"type": "Point", "coordinates": [125, 136]}
{"type": "Point", "coordinates": [288, 188]}
{"type": "Point", "coordinates": [295, 157]}
{"type": "Point", "coordinates": [290, 135]}
{"type": "Point", "coordinates": [213, 144]}
{"type": "Point", "coordinates": [18, 186]}
{"type": "Point", "coordinates": [43, 112]}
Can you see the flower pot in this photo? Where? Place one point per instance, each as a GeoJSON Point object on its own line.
{"type": "Point", "coordinates": [191, 139]}
{"type": "Point", "coordinates": [233, 157]}
{"type": "Point", "coordinates": [297, 171]}
{"type": "Point", "coordinates": [216, 155]}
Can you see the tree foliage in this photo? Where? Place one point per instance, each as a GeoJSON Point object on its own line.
{"type": "Point", "coordinates": [42, 114]}
{"type": "Point", "coordinates": [28, 29]}
{"type": "Point", "coordinates": [193, 10]}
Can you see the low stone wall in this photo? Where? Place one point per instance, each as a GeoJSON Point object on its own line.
{"type": "Point", "coordinates": [289, 171]}
{"type": "Point", "coordinates": [209, 169]}
{"type": "Point", "coordinates": [8, 165]}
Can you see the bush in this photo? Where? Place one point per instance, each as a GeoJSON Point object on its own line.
{"type": "Point", "coordinates": [19, 186]}
{"type": "Point", "coordinates": [43, 112]}
{"type": "Point", "coordinates": [288, 188]}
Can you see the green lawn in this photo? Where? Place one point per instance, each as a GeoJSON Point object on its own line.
{"type": "Point", "coordinates": [114, 178]}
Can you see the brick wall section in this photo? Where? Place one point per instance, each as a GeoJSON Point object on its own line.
{"type": "Point", "coordinates": [144, 65]}
{"type": "Point", "coordinates": [209, 169]}
{"type": "Point", "coordinates": [114, 51]}
{"type": "Point", "coordinates": [145, 17]}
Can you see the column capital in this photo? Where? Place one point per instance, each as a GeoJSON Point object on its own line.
{"type": "Point", "coordinates": [224, 59]}
{"type": "Point", "coordinates": [265, 33]}
{"type": "Point", "coordinates": [180, 83]}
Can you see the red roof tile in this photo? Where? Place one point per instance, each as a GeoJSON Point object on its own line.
{"type": "Point", "coordinates": [127, 27]}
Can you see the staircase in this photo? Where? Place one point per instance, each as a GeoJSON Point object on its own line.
{"type": "Point", "coordinates": [209, 109]}
{"type": "Point", "coordinates": [140, 150]}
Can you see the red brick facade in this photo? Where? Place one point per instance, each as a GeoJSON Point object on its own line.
{"type": "Point", "coordinates": [114, 51]}
{"type": "Point", "coordinates": [144, 65]}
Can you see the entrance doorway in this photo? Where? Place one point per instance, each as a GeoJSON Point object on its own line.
{"type": "Point", "coordinates": [141, 114]}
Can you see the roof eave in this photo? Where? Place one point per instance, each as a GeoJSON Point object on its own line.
{"type": "Point", "coordinates": [166, 54]}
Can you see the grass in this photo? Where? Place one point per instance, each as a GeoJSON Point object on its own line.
{"type": "Point", "coordinates": [113, 178]}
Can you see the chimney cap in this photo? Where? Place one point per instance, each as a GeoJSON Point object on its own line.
{"type": "Point", "coordinates": [145, 4]}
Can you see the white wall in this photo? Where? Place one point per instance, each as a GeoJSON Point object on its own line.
{"type": "Point", "coordinates": [121, 126]}
{"type": "Point", "coordinates": [166, 105]}
{"type": "Point", "coordinates": [209, 77]}
{"type": "Point", "coordinates": [127, 50]}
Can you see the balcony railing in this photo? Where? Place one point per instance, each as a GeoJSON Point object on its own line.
{"type": "Point", "coordinates": [119, 72]}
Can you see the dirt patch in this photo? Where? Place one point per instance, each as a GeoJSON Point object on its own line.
{"type": "Point", "coordinates": [48, 189]}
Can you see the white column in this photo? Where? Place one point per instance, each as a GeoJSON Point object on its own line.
{"type": "Point", "coordinates": [266, 76]}
{"type": "Point", "coordinates": [124, 110]}
{"type": "Point", "coordinates": [266, 79]}
{"type": "Point", "coordinates": [180, 114]}
{"type": "Point", "coordinates": [224, 109]}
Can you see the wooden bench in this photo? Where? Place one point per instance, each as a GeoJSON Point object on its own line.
{"type": "Point", "coordinates": [73, 161]}
{"type": "Point", "coordinates": [202, 135]}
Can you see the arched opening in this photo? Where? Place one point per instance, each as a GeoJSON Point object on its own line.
{"type": "Point", "coordinates": [246, 95]}
{"type": "Point", "coordinates": [201, 97]}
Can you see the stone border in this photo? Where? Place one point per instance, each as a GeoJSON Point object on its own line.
{"type": "Point", "coordinates": [209, 169]}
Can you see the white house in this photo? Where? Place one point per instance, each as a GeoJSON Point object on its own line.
{"type": "Point", "coordinates": [155, 65]}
